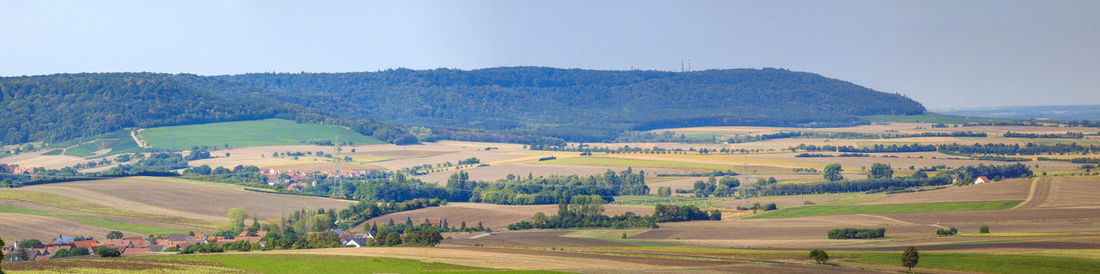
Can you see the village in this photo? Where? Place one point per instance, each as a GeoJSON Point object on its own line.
{"type": "Point", "coordinates": [72, 246]}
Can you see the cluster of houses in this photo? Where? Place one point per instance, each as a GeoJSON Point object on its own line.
{"type": "Point", "coordinates": [15, 169]}
{"type": "Point", "coordinates": [129, 245]}
{"type": "Point", "coordinates": [140, 245]}
{"type": "Point", "coordinates": [300, 179]}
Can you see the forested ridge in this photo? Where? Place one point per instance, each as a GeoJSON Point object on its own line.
{"type": "Point", "coordinates": [62, 107]}
{"type": "Point", "coordinates": [515, 104]}
{"type": "Point", "coordinates": [583, 105]}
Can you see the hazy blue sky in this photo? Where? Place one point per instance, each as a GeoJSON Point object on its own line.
{"type": "Point", "coordinates": [941, 53]}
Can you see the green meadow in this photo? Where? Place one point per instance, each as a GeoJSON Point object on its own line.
{"type": "Point", "coordinates": [269, 132]}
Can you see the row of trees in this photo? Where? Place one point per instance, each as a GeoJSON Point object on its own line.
{"type": "Point", "coordinates": [546, 190]}
{"type": "Point", "coordinates": [849, 135]}
{"type": "Point", "coordinates": [881, 178]}
{"type": "Point", "coordinates": [587, 211]}
{"type": "Point", "coordinates": [1067, 135]}
{"type": "Point", "coordinates": [676, 213]}
{"type": "Point", "coordinates": [1017, 149]}
{"type": "Point", "coordinates": [856, 233]}
{"type": "Point", "coordinates": [584, 211]}
{"type": "Point", "coordinates": [877, 148]}
{"type": "Point", "coordinates": [716, 187]}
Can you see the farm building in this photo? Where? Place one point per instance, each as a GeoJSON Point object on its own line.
{"type": "Point", "coordinates": [357, 242]}
{"type": "Point", "coordinates": [982, 180]}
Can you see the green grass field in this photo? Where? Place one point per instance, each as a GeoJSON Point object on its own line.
{"type": "Point", "coordinates": [84, 206]}
{"type": "Point", "coordinates": [993, 263]}
{"type": "Point", "coordinates": [618, 162]}
{"type": "Point", "coordinates": [117, 141]}
{"type": "Point", "coordinates": [1070, 262]}
{"type": "Point", "coordinates": [93, 221]}
{"type": "Point", "coordinates": [825, 210]}
{"type": "Point", "coordinates": [269, 132]}
{"type": "Point", "coordinates": [84, 150]}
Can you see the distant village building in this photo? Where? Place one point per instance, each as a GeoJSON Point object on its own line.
{"type": "Point", "coordinates": [982, 180]}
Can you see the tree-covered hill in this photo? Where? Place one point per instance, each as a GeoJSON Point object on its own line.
{"type": "Point", "coordinates": [61, 107]}
{"type": "Point", "coordinates": [583, 105]}
{"type": "Point", "coordinates": [574, 104]}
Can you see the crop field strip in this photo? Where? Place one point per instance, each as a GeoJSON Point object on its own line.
{"type": "Point", "coordinates": [97, 221]}
{"type": "Point", "coordinates": [264, 263]}
{"type": "Point", "coordinates": [826, 210]}
{"type": "Point", "coordinates": [83, 206]}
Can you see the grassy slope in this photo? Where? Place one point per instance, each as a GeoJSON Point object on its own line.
{"type": "Point", "coordinates": [84, 150]}
{"type": "Point", "coordinates": [93, 221]}
{"type": "Point", "coordinates": [83, 206]}
{"type": "Point", "coordinates": [996, 263]}
{"type": "Point", "coordinates": [267, 132]}
{"type": "Point", "coordinates": [887, 208]}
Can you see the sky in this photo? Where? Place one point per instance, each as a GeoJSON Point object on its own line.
{"type": "Point", "coordinates": [944, 54]}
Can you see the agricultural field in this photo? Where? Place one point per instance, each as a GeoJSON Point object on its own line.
{"type": "Point", "coordinates": [248, 263]}
{"type": "Point", "coordinates": [204, 203]}
{"type": "Point", "coordinates": [270, 132]}
{"type": "Point", "coordinates": [1042, 219]}
{"type": "Point", "coordinates": [138, 206]}
{"type": "Point", "coordinates": [620, 162]}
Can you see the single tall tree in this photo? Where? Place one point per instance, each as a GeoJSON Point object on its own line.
{"type": "Point", "coordinates": [881, 171]}
{"type": "Point", "coordinates": [910, 258]}
{"type": "Point", "coordinates": [114, 235]}
{"type": "Point", "coordinates": [832, 172]}
{"type": "Point", "coordinates": [819, 255]}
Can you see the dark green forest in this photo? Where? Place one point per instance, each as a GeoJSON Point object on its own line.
{"type": "Point", "coordinates": [62, 107]}
{"type": "Point", "coordinates": [514, 104]}
{"type": "Point", "coordinates": [583, 105]}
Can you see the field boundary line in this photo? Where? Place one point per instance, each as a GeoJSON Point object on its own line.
{"type": "Point", "coordinates": [1030, 193]}
{"type": "Point", "coordinates": [140, 141]}
{"type": "Point", "coordinates": [891, 219]}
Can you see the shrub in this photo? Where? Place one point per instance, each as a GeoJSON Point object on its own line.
{"type": "Point", "coordinates": [106, 252]}
{"type": "Point", "coordinates": [984, 229]}
{"type": "Point", "coordinates": [947, 232]}
{"type": "Point", "coordinates": [114, 235]}
{"type": "Point", "coordinates": [770, 207]}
